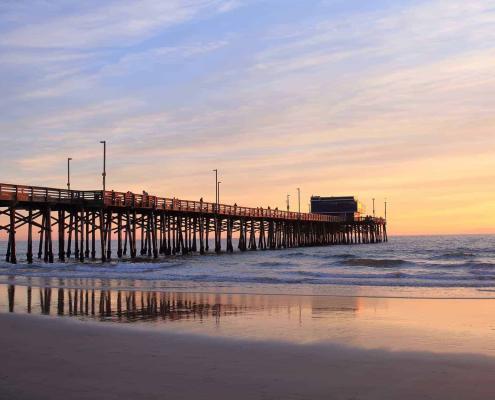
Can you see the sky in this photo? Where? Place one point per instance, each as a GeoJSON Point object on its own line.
{"type": "Point", "coordinates": [379, 99]}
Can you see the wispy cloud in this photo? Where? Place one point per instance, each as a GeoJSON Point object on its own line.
{"type": "Point", "coordinates": [97, 24]}
{"type": "Point", "coordinates": [150, 58]}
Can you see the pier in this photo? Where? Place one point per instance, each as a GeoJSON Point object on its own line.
{"type": "Point", "coordinates": [91, 225]}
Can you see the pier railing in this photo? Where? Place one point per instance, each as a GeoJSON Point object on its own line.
{"type": "Point", "coordinates": [377, 220]}
{"type": "Point", "coordinates": [24, 193]}
{"type": "Point", "coordinates": [129, 199]}
{"type": "Point", "coordinates": [37, 194]}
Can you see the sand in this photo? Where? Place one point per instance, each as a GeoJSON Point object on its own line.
{"type": "Point", "coordinates": [55, 358]}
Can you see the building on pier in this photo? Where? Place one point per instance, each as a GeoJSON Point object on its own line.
{"type": "Point", "coordinates": [348, 207]}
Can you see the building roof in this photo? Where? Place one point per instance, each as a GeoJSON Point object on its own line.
{"type": "Point", "coordinates": [333, 198]}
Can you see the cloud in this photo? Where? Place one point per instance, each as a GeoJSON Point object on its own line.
{"type": "Point", "coordinates": [137, 61]}
{"type": "Point", "coordinates": [97, 24]}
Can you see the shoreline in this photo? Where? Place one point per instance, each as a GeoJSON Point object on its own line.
{"type": "Point", "coordinates": [210, 288]}
{"type": "Point", "coordinates": [51, 358]}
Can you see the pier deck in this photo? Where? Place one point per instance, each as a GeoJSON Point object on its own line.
{"type": "Point", "coordinates": [166, 226]}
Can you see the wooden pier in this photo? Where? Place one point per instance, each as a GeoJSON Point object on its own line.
{"type": "Point", "coordinates": [90, 225]}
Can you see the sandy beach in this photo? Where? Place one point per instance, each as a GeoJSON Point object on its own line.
{"type": "Point", "coordinates": [53, 358]}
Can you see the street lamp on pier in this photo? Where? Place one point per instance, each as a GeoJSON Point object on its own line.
{"type": "Point", "coordinates": [299, 199]}
{"type": "Point", "coordinates": [104, 174]}
{"type": "Point", "coordinates": [218, 194]}
{"type": "Point", "coordinates": [216, 187]}
{"type": "Point", "coordinates": [288, 202]}
{"type": "Point", "coordinates": [68, 172]}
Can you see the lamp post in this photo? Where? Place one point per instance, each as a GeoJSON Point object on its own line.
{"type": "Point", "coordinates": [104, 174]}
{"type": "Point", "coordinates": [68, 172]}
{"type": "Point", "coordinates": [216, 187]}
{"type": "Point", "coordinates": [288, 202]}
{"type": "Point", "coordinates": [373, 207]}
{"type": "Point", "coordinates": [385, 209]}
{"type": "Point", "coordinates": [218, 194]}
{"type": "Point", "coordinates": [299, 199]}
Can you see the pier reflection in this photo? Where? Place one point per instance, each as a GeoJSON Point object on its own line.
{"type": "Point", "coordinates": [116, 305]}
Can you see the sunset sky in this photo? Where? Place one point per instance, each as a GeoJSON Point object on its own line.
{"type": "Point", "coordinates": [384, 99]}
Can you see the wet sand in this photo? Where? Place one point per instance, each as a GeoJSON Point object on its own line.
{"type": "Point", "coordinates": [44, 357]}
{"type": "Point", "coordinates": [399, 324]}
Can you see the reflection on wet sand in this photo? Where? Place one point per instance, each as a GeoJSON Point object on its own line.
{"type": "Point", "coordinates": [439, 325]}
{"type": "Point", "coordinates": [116, 305]}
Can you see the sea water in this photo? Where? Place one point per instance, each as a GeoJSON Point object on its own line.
{"type": "Point", "coordinates": [417, 266]}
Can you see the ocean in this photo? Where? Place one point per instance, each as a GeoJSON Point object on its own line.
{"type": "Point", "coordinates": [406, 266]}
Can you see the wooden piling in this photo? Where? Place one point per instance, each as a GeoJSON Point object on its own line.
{"type": "Point", "coordinates": [29, 254]}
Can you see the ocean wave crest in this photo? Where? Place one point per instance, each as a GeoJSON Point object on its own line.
{"type": "Point", "coordinates": [374, 262]}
